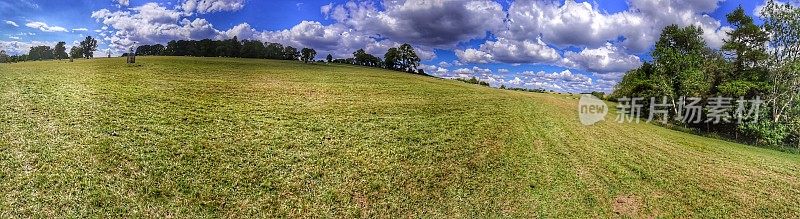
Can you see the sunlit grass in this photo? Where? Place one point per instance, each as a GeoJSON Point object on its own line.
{"type": "Point", "coordinates": [206, 137]}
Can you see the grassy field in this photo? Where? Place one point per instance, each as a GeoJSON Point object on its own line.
{"type": "Point", "coordinates": [202, 137]}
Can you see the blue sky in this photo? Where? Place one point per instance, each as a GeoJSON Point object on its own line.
{"type": "Point", "coordinates": [570, 46]}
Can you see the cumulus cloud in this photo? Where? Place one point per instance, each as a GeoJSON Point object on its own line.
{"type": "Point", "coordinates": [585, 25]}
{"type": "Point", "coordinates": [151, 23]}
{"type": "Point", "coordinates": [15, 47]}
{"type": "Point", "coordinates": [122, 2]}
{"type": "Point", "coordinates": [211, 6]}
{"type": "Point", "coordinates": [579, 24]}
{"type": "Point", "coordinates": [510, 51]}
{"type": "Point", "coordinates": [242, 31]}
{"type": "Point", "coordinates": [605, 59]}
{"type": "Point", "coordinates": [11, 23]}
{"type": "Point", "coordinates": [422, 22]}
{"type": "Point", "coordinates": [564, 81]}
{"type": "Point", "coordinates": [44, 27]}
{"type": "Point", "coordinates": [474, 56]}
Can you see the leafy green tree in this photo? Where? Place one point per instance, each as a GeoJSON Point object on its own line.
{"type": "Point", "coordinates": [89, 45]}
{"type": "Point", "coordinates": [363, 58]}
{"type": "Point", "coordinates": [290, 53]}
{"type": "Point", "coordinates": [408, 58]}
{"type": "Point", "coordinates": [746, 44]}
{"type": "Point", "coordinates": [157, 50]}
{"type": "Point", "coordinates": [275, 51]}
{"type": "Point", "coordinates": [392, 58]}
{"type": "Point", "coordinates": [329, 58]}
{"type": "Point", "coordinates": [230, 47]}
{"type": "Point", "coordinates": [782, 22]}
{"type": "Point", "coordinates": [60, 51]}
{"type": "Point", "coordinates": [640, 82]}
{"type": "Point", "coordinates": [76, 52]}
{"type": "Point", "coordinates": [40, 53]}
{"type": "Point", "coordinates": [252, 49]}
{"type": "Point", "coordinates": [679, 56]}
{"type": "Point", "coordinates": [308, 54]}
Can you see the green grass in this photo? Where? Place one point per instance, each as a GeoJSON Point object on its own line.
{"type": "Point", "coordinates": [207, 137]}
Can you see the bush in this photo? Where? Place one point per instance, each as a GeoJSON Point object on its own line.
{"type": "Point", "coordinates": [766, 132]}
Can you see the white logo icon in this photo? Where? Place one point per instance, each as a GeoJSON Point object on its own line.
{"type": "Point", "coordinates": [591, 109]}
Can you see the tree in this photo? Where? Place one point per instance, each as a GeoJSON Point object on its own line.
{"type": "Point", "coordinates": [76, 52]}
{"type": "Point", "coordinates": [290, 53]}
{"type": "Point", "coordinates": [329, 58]}
{"type": "Point", "coordinates": [308, 54]}
{"type": "Point", "coordinates": [142, 50]}
{"type": "Point", "coordinates": [60, 51]}
{"type": "Point", "coordinates": [40, 53]}
{"type": "Point", "coordinates": [275, 51]}
{"type": "Point", "coordinates": [363, 58]}
{"type": "Point", "coordinates": [231, 47]}
{"type": "Point", "coordinates": [157, 50]}
{"type": "Point", "coordinates": [208, 48]}
{"type": "Point", "coordinates": [781, 22]}
{"type": "Point", "coordinates": [746, 45]}
{"type": "Point", "coordinates": [679, 57]}
{"type": "Point", "coordinates": [252, 49]}
{"type": "Point", "coordinates": [638, 82]}
{"type": "Point", "coordinates": [392, 58]}
{"type": "Point", "coordinates": [89, 45]}
{"type": "Point", "coordinates": [408, 59]}
{"type": "Point", "coordinates": [747, 42]}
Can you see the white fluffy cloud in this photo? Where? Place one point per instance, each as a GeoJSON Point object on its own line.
{"type": "Point", "coordinates": [605, 59]}
{"type": "Point", "coordinates": [210, 6]}
{"type": "Point", "coordinates": [15, 47]}
{"type": "Point", "coordinates": [580, 24]}
{"type": "Point", "coordinates": [510, 51]}
{"type": "Point", "coordinates": [561, 81]}
{"type": "Point", "coordinates": [44, 27]}
{"type": "Point", "coordinates": [422, 22]}
{"type": "Point", "coordinates": [242, 31]}
{"type": "Point", "coordinates": [122, 2]}
{"type": "Point", "coordinates": [474, 56]}
{"type": "Point", "coordinates": [151, 23]}
{"type": "Point", "coordinates": [585, 25]}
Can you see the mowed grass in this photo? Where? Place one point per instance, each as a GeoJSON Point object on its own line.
{"type": "Point", "coordinates": [208, 137]}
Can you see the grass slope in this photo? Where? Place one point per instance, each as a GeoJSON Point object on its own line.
{"type": "Point", "coordinates": [202, 137]}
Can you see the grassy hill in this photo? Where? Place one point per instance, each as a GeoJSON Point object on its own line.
{"type": "Point", "coordinates": [201, 137]}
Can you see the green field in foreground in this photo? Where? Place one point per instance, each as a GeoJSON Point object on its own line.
{"type": "Point", "coordinates": [207, 137]}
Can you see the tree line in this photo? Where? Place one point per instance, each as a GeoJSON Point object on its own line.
{"type": "Point", "coordinates": [756, 61]}
{"type": "Point", "coordinates": [85, 49]}
{"type": "Point", "coordinates": [403, 58]}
